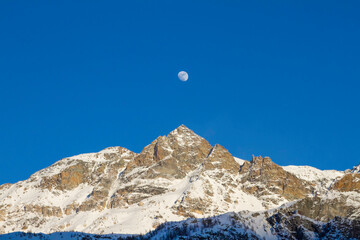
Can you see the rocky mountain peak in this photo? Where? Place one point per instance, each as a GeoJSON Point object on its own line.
{"type": "Point", "coordinates": [174, 155]}
{"type": "Point", "coordinates": [184, 136]}
{"type": "Point", "coordinates": [180, 129]}
{"type": "Point", "coordinates": [259, 162]}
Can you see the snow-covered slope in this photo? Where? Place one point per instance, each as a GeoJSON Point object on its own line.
{"type": "Point", "coordinates": [322, 178]}
{"type": "Point", "coordinates": [239, 161]}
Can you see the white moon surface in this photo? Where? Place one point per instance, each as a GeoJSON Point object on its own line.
{"type": "Point", "coordinates": [183, 76]}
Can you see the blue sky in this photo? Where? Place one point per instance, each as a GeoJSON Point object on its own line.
{"type": "Point", "coordinates": [275, 78]}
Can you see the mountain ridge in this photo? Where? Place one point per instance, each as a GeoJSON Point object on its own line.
{"type": "Point", "coordinates": [175, 177]}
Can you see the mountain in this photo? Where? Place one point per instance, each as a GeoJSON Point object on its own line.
{"type": "Point", "coordinates": [180, 185]}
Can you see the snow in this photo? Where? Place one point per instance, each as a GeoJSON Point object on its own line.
{"type": "Point", "coordinates": [184, 136]}
{"type": "Point", "coordinates": [323, 177]}
{"type": "Point", "coordinates": [239, 161]}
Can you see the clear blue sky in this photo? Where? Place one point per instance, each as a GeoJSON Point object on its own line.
{"type": "Point", "coordinates": [275, 78]}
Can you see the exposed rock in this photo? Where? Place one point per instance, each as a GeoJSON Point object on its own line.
{"type": "Point", "coordinates": [323, 209]}
{"type": "Point", "coordinates": [97, 200]}
{"type": "Point", "coordinates": [134, 194]}
{"type": "Point", "coordinates": [263, 177]}
{"type": "Point", "coordinates": [68, 179]}
{"type": "Point", "coordinates": [5, 186]}
{"type": "Point", "coordinates": [220, 158]}
{"type": "Point", "coordinates": [46, 211]}
{"type": "Point", "coordinates": [71, 208]}
{"type": "Point", "coordinates": [172, 156]}
{"type": "Point", "coordinates": [292, 225]}
{"type": "Point", "coordinates": [350, 182]}
{"type": "Point", "coordinates": [2, 214]}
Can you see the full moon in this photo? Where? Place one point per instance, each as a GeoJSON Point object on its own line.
{"type": "Point", "coordinates": [183, 76]}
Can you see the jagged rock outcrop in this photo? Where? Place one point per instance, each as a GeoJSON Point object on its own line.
{"type": "Point", "coordinates": [349, 182]}
{"type": "Point", "coordinates": [220, 158]}
{"type": "Point", "coordinates": [172, 156]}
{"type": "Point", "coordinates": [263, 177]}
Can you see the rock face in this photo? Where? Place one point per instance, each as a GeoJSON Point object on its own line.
{"type": "Point", "coordinates": [176, 177]}
{"type": "Point", "coordinates": [262, 178]}
{"type": "Point", "coordinates": [172, 156]}
{"type": "Point", "coordinates": [323, 208]}
{"type": "Point", "coordinates": [67, 179]}
{"type": "Point", "coordinates": [350, 182]}
{"type": "Point", "coordinates": [220, 158]}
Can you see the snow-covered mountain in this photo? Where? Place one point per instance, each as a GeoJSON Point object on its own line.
{"type": "Point", "coordinates": [171, 187]}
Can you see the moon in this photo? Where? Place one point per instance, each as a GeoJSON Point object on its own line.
{"type": "Point", "coordinates": [183, 76]}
